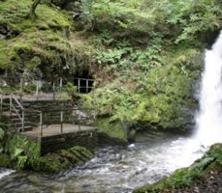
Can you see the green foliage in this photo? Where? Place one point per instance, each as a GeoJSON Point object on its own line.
{"type": "Point", "coordinates": [120, 15]}
{"type": "Point", "coordinates": [5, 160]}
{"type": "Point", "coordinates": [70, 89]}
{"type": "Point", "coordinates": [193, 18]}
{"type": "Point", "coordinates": [2, 133]}
{"type": "Point", "coordinates": [124, 58]}
{"type": "Point", "coordinates": [180, 20]}
{"type": "Point", "coordinates": [22, 151]}
{"type": "Point", "coordinates": [160, 93]}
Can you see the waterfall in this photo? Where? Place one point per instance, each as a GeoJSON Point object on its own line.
{"type": "Point", "coordinates": [209, 117]}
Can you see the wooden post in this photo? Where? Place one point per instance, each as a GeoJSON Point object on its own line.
{"type": "Point", "coordinates": [23, 120]}
{"type": "Point", "coordinates": [21, 87]}
{"type": "Point", "coordinates": [1, 110]}
{"type": "Point", "coordinates": [41, 124]}
{"type": "Point", "coordinates": [10, 105]}
{"type": "Point", "coordinates": [61, 121]}
{"type": "Point", "coordinates": [53, 88]}
{"type": "Point", "coordinates": [37, 90]}
{"type": "Point", "coordinates": [60, 83]}
{"type": "Point", "coordinates": [87, 85]}
{"type": "Point", "coordinates": [79, 84]}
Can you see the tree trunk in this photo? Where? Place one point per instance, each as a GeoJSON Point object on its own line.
{"type": "Point", "coordinates": [33, 8]}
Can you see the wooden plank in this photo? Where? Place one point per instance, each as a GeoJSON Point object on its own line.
{"type": "Point", "coordinates": [54, 130]}
{"type": "Point", "coordinates": [61, 121]}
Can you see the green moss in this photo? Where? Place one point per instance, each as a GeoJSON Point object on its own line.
{"type": "Point", "coordinates": [81, 152]}
{"type": "Point", "coordinates": [15, 15]}
{"type": "Point", "coordinates": [69, 156]}
{"type": "Point", "coordinates": [62, 160]}
{"type": "Point", "coordinates": [46, 45]}
{"type": "Point", "coordinates": [40, 41]}
{"type": "Point", "coordinates": [5, 161]}
{"type": "Point", "coordinates": [51, 163]}
{"type": "Point", "coordinates": [114, 129]}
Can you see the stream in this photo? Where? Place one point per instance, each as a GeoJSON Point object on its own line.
{"type": "Point", "coordinates": [113, 170]}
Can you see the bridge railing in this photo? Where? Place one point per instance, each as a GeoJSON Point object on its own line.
{"type": "Point", "coordinates": [76, 117]}
{"type": "Point", "coordinates": [32, 119]}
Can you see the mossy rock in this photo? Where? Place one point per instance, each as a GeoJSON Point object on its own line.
{"type": "Point", "coordinates": [62, 160]}
{"type": "Point", "coordinates": [114, 129]}
{"type": "Point", "coordinates": [82, 153]}
{"type": "Point", "coordinates": [67, 154]}
{"type": "Point", "coordinates": [5, 161]}
{"type": "Point", "coordinates": [51, 163]}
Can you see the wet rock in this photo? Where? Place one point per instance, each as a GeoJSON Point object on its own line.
{"type": "Point", "coordinates": [4, 160]}
{"type": "Point", "coordinates": [6, 32]}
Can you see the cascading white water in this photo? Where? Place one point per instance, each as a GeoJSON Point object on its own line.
{"type": "Point", "coordinates": [209, 118]}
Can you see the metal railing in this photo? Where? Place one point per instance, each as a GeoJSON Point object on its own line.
{"type": "Point", "coordinates": [38, 120]}
{"type": "Point", "coordinates": [18, 110]}
{"type": "Point", "coordinates": [73, 116]}
{"type": "Point", "coordinates": [86, 82]}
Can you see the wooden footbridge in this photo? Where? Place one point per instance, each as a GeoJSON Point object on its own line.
{"type": "Point", "coordinates": [52, 123]}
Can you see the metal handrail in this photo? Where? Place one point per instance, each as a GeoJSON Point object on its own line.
{"type": "Point", "coordinates": [17, 102]}
{"type": "Point", "coordinates": [1, 104]}
{"type": "Point", "coordinates": [89, 79]}
{"type": "Point", "coordinates": [23, 115]}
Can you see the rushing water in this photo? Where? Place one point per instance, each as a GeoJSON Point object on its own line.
{"type": "Point", "coordinates": [209, 119]}
{"type": "Point", "coordinates": [113, 170]}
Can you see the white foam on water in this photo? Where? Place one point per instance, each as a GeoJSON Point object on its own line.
{"type": "Point", "coordinates": [5, 173]}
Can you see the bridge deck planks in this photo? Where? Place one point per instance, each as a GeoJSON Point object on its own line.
{"type": "Point", "coordinates": [55, 129]}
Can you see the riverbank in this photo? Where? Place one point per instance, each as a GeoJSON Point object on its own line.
{"type": "Point", "coordinates": [113, 169]}
{"type": "Point", "coordinates": [22, 152]}
{"type": "Point", "coordinates": [203, 176]}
